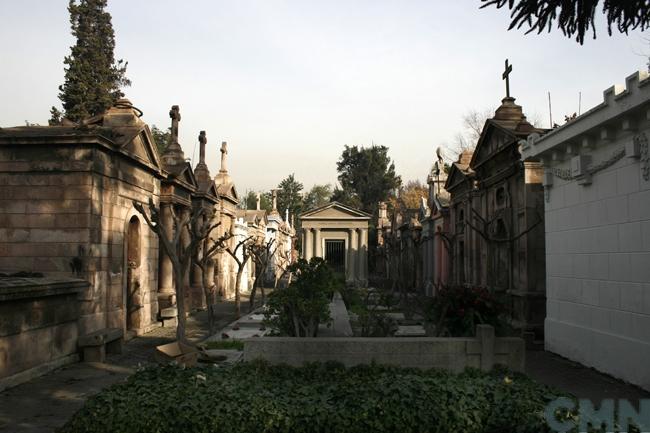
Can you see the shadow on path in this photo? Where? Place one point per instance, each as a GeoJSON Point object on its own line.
{"type": "Point", "coordinates": [583, 382]}
{"type": "Point", "coordinates": [44, 404]}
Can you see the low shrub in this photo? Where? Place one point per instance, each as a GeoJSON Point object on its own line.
{"type": "Point", "coordinates": [370, 320]}
{"type": "Point", "coordinates": [374, 323]}
{"type": "Point", "coordinates": [456, 310]}
{"type": "Point", "coordinates": [298, 309]}
{"type": "Point", "coordinates": [257, 397]}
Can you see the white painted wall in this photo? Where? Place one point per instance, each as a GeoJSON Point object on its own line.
{"type": "Point", "coordinates": [598, 240]}
{"type": "Point", "coordinates": [598, 271]}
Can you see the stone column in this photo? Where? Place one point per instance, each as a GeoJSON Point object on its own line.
{"type": "Point", "coordinates": [197, 275]}
{"type": "Point", "coordinates": [165, 273]}
{"type": "Point", "coordinates": [363, 256]}
{"type": "Point", "coordinates": [351, 275]}
{"type": "Point", "coordinates": [185, 241]}
{"type": "Point", "coordinates": [318, 249]}
{"type": "Point", "coordinates": [167, 292]}
{"type": "Point", "coordinates": [308, 246]}
{"type": "Point", "coordinates": [209, 279]}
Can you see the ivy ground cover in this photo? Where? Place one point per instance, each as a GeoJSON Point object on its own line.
{"type": "Point", "coordinates": [257, 397]}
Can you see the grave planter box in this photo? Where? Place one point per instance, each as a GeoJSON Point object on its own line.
{"type": "Point", "coordinates": [177, 352]}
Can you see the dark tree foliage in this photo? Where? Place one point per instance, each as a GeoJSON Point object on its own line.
{"type": "Point", "coordinates": [55, 116]}
{"type": "Point", "coordinates": [290, 195]}
{"type": "Point", "coordinates": [346, 197]}
{"type": "Point", "coordinates": [251, 201]}
{"type": "Point", "coordinates": [161, 137]}
{"type": "Point", "coordinates": [92, 76]}
{"type": "Point", "coordinates": [318, 195]}
{"type": "Point", "coordinates": [575, 17]}
{"type": "Point", "coordinates": [367, 174]}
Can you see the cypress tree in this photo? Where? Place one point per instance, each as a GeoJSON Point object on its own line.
{"type": "Point", "coordinates": [92, 76]}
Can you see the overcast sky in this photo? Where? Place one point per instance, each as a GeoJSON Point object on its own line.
{"type": "Point", "coordinates": [288, 83]}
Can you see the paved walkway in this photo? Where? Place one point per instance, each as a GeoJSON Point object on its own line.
{"type": "Point", "coordinates": [582, 382]}
{"type": "Point", "coordinates": [340, 326]}
{"type": "Point", "coordinates": [46, 403]}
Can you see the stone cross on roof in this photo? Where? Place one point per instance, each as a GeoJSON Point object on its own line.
{"type": "Point", "coordinates": [175, 115]}
{"type": "Point", "coordinates": [506, 76]}
{"type": "Point", "coordinates": [224, 153]}
{"type": "Point", "coordinates": [202, 141]}
{"type": "Point", "coordinates": [201, 170]}
{"type": "Point", "coordinates": [173, 154]}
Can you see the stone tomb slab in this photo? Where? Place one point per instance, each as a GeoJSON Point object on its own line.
{"type": "Point", "coordinates": [410, 331]}
{"type": "Point", "coordinates": [243, 333]}
{"type": "Point", "coordinates": [396, 316]}
{"type": "Point", "coordinates": [251, 321]}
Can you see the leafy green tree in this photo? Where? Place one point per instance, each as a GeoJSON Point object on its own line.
{"type": "Point", "coordinates": [368, 174]}
{"type": "Point", "coordinates": [55, 116]}
{"type": "Point", "coordinates": [290, 195]}
{"type": "Point", "coordinates": [346, 197]}
{"type": "Point", "coordinates": [93, 78]}
{"type": "Point", "coordinates": [161, 137]}
{"type": "Point", "coordinates": [575, 17]}
{"type": "Point", "coordinates": [318, 195]}
{"type": "Point", "coordinates": [297, 310]}
{"type": "Point", "coordinates": [250, 201]}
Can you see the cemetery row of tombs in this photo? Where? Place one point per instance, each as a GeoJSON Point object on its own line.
{"type": "Point", "coordinates": [556, 220]}
{"type": "Point", "coordinates": [78, 257]}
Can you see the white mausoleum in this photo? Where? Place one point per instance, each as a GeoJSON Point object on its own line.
{"type": "Point", "coordinates": [597, 213]}
{"type": "Point", "coordinates": [338, 234]}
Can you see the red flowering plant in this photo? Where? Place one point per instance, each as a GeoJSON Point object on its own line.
{"type": "Point", "coordinates": [456, 310]}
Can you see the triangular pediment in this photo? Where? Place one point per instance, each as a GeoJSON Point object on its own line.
{"type": "Point", "coordinates": [233, 192]}
{"type": "Point", "coordinates": [228, 191]}
{"type": "Point", "coordinates": [138, 144]}
{"type": "Point", "coordinates": [455, 177]}
{"type": "Point", "coordinates": [212, 191]}
{"type": "Point", "coordinates": [335, 210]}
{"type": "Point", "coordinates": [494, 138]}
{"type": "Point", "coordinates": [188, 176]}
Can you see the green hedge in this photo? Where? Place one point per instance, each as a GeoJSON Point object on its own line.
{"type": "Point", "coordinates": [256, 397]}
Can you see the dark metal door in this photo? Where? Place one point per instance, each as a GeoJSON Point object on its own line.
{"type": "Point", "coordinates": [335, 254]}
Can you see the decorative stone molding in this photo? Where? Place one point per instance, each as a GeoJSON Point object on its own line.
{"type": "Point", "coordinates": [582, 171]}
{"type": "Point", "coordinates": [562, 173]}
{"type": "Point", "coordinates": [641, 141]}
{"type": "Point", "coordinates": [615, 156]}
{"type": "Point", "coordinates": [578, 169]}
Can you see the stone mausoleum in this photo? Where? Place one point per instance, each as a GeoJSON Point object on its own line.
{"type": "Point", "coordinates": [597, 206]}
{"type": "Point", "coordinates": [338, 234]}
{"type": "Point", "coordinates": [76, 256]}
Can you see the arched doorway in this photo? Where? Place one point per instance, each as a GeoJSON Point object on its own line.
{"type": "Point", "coordinates": [133, 303]}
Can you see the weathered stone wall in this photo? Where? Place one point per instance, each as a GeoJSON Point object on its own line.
{"type": "Point", "coordinates": [38, 325]}
{"type": "Point", "coordinates": [45, 208]}
{"type": "Point", "coordinates": [64, 211]}
{"type": "Point", "coordinates": [421, 352]}
{"type": "Point", "coordinates": [115, 185]}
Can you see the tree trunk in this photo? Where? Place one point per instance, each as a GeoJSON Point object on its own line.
{"type": "Point", "coordinates": [207, 292]}
{"type": "Point", "coordinates": [240, 271]}
{"type": "Point", "coordinates": [296, 325]}
{"type": "Point", "coordinates": [180, 308]}
{"type": "Point", "coordinates": [251, 300]}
